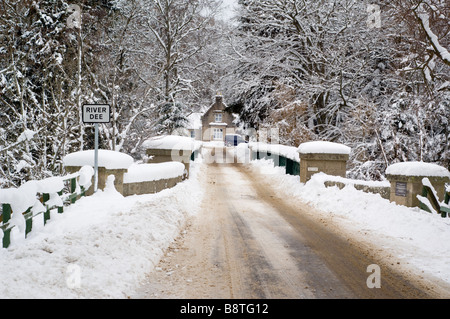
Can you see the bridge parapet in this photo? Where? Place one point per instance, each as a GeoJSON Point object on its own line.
{"type": "Point", "coordinates": [326, 157]}
{"type": "Point", "coordinates": [407, 181]}
{"type": "Point", "coordinates": [171, 148]}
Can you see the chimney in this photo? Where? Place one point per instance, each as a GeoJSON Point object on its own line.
{"type": "Point", "coordinates": [219, 98]}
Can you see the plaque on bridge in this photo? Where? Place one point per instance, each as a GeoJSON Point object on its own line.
{"type": "Point", "coordinates": [400, 189]}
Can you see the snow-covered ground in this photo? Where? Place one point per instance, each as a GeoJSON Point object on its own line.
{"type": "Point", "coordinates": [104, 245]}
{"type": "Point", "coordinates": [100, 247]}
{"type": "Point", "coordinates": [414, 236]}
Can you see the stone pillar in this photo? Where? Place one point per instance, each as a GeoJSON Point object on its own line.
{"type": "Point", "coordinates": [110, 163]}
{"type": "Point", "coordinates": [170, 148]}
{"type": "Point", "coordinates": [103, 174]}
{"type": "Point", "coordinates": [327, 157]}
{"type": "Point", "coordinates": [157, 155]}
{"type": "Point", "coordinates": [406, 181]}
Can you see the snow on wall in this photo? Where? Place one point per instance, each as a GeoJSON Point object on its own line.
{"type": "Point", "coordinates": [347, 181]}
{"type": "Point", "coordinates": [138, 173]}
{"type": "Point", "coordinates": [417, 169]}
{"type": "Point", "coordinates": [107, 159]}
{"type": "Point", "coordinates": [171, 142]}
{"type": "Point", "coordinates": [283, 150]}
{"type": "Point", "coordinates": [85, 180]}
{"type": "Point", "coordinates": [305, 148]}
{"type": "Point", "coordinates": [323, 147]}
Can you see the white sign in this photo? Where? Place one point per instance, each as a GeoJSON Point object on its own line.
{"type": "Point", "coordinates": [313, 169]}
{"type": "Point", "coordinates": [96, 113]}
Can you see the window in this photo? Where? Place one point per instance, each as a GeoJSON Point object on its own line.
{"type": "Point", "coordinates": [218, 117]}
{"type": "Point", "coordinates": [218, 134]}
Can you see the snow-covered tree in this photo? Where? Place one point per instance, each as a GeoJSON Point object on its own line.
{"type": "Point", "coordinates": [33, 46]}
{"type": "Point", "coordinates": [176, 36]}
{"type": "Point", "coordinates": [370, 75]}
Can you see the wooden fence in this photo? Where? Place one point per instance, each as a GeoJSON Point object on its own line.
{"type": "Point", "coordinates": [68, 195]}
{"type": "Point", "coordinates": [430, 202]}
{"type": "Point", "coordinates": [291, 166]}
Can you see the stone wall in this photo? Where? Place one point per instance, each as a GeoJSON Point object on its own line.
{"type": "Point", "coordinates": [150, 187]}
{"type": "Point", "coordinates": [103, 174]}
{"type": "Point", "coordinates": [330, 164]}
{"type": "Point", "coordinates": [404, 189]}
{"type": "Point", "coordinates": [169, 155]}
{"type": "Point", "coordinates": [383, 191]}
{"type": "Point", "coordinates": [127, 189]}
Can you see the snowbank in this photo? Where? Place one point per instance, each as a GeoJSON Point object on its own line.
{"type": "Point", "coordinates": [323, 147]}
{"type": "Point", "coordinates": [100, 247]}
{"type": "Point", "coordinates": [412, 235]}
{"type": "Point", "coordinates": [153, 172]}
{"type": "Point", "coordinates": [171, 142]}
{"type": "Point", "coordinates": [283, 150]}
{"type": "Point", "coordinates": [347, 181]}
{"type": "Point", "coordinates": [107, 159]}
{"type": "Point", "coordinates": [213, 144]}
{"type": "Point", "coordinates": [85, 180]}
{"type": "Point", "coordinates": [417, 169]}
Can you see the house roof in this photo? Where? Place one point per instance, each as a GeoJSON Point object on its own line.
{"type": "Point", "coordinates": [218, 97]}
{"type": "Point", "coordinates": [195, 121]}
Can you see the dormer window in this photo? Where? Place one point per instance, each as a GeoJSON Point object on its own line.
{"type": "Point", "coordinates": [218, 118]}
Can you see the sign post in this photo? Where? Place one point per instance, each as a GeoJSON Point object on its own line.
{"type": "Point", "coordinates": [95, 114]}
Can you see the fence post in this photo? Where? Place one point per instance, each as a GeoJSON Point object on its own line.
{"type": "Point", "coordinates": [289, 166]}
{"type": "Point", "coordinates": [60, 209]}
{"type": "Point", "coordinates": [6, 232]}
{"type": "Point", "coordinates": [73, 188]}
{"type": "Point", "coordinates": [45, 198]}
{"type": "Point", "coordinates": [28, 221]}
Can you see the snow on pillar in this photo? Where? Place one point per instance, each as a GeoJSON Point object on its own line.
{"type": "Point", "coordinates": [109, 163]}
{"type": "Point", "coordinates": [406, 181]}
{"type": "Point", "coordinates": [320, 156]}
{"type": "Point", "coordinates": [170, 148]}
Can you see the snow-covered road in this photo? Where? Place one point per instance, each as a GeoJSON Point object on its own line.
{"type": "Point", "coordinates": [105, 245]}
{"type": "Point", "coordinates": [250, 241]}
